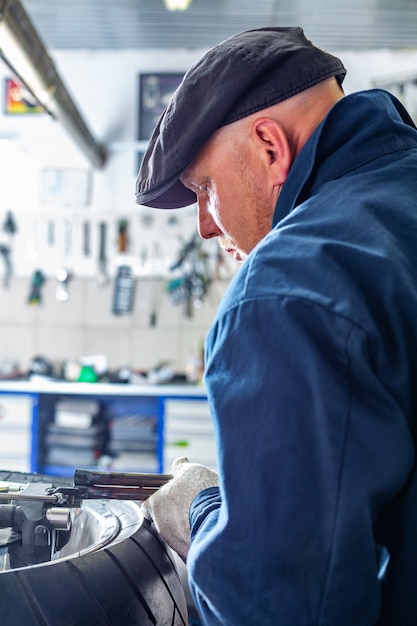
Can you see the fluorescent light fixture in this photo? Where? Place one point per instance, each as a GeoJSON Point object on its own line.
{"type": "Point", "coordinates": [177, 5]}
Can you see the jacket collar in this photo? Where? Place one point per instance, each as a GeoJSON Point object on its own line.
{"type": "Point", "coordinates": [359, 128]}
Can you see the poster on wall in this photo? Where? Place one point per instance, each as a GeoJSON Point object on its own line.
{"type": "Point", "coordinates": [155, 91]}
{"type": "Point", "coordinates": [18, 100]}
{"type": "Point", "coordinates": [66, 187]}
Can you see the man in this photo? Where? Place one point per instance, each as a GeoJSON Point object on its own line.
{"type": "Point", "coordinates": [311, 363]}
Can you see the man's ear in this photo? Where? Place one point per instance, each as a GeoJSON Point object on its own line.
{"type": "Point", "coordinates": [272, 142]}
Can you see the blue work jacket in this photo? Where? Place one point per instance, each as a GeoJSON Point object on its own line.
{"type": "Point", "coordinates": [311, 374]}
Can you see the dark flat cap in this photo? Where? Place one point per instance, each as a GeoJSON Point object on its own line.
{"type": "Point", "coordinates": [244, 74]}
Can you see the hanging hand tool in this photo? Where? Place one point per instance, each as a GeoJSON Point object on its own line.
{"type": "Point", "coordinates": [86, 238]}
{"type": "Point", "coordinates": [10, 226]}
{"type": "Point", "coordinates": [122, 236]}
{"type": "Point", "coordinates": [103, 277]}
{"type": "Point", "coordinates": [6, 245]}
{"type": "Point", "coordinates": [50, 233]}
{"type": "Point", "coordinates": [124, 291]}
{"type": "Point", "coordinates": [63, 273]}
{"type": "Point", "coordinates": [5, 253]}
{"type": "Point", "coordinates": [190, 288]}
{"type": "Point", "coordinates": [155, 288]}
{"type": "Point", "coordinates": [63, 276]}
{"type": "Point", "coordinates": [38, 279]}
{"type": "Point", "coordinates": [125, 281]}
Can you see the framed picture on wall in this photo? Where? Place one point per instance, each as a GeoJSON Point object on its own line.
{"type": "Point", "coordinates": [66, 187]}
{"type": "Point", "coordinates": [18, 100]}
{"type": "Point", "coordinates": [155, 91]}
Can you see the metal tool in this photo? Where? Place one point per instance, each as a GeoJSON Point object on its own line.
{"type": "Point", "coordinates": [64, 274]}
{"type": "Point", "coordinates": [36, 518]}
{"type": "Point", "coordinates": [22, 496]}
{"type": "Point", "coordinates": [35, 295]}
{"type": "Point", "coordinates": [34, 523]}
{"type": "Point", "coordinates": [5, 253]}
{"type": "Point", "coordinates": [103, 277]}
{"type": "Point", "coordinates": [93, 485]}
{"type": "Point", "coordinates": [90, 484]}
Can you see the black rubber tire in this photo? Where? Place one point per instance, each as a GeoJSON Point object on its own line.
{"type": "Point", "coordinates": [133, 583]}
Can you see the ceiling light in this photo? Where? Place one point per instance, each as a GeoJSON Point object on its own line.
{"type": "Point", "coordinates": [177, 5]}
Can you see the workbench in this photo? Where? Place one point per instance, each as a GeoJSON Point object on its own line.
{"type": "Point", "coordinates": [175, 420]}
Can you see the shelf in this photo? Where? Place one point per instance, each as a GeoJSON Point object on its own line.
{"type": "Point", "coordinates": [177, 413]}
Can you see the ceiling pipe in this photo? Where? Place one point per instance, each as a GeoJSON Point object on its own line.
{"type": "Point", "coordinates": [23, 50]}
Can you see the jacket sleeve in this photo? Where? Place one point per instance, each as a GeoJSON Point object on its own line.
{"type": "Point", "coordinates": [311, 448]}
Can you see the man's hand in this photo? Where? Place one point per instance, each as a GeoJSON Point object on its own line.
{"type": "Point", "coordinates": [169, 507]}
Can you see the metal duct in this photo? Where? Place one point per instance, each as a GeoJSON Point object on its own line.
{"type": "Point", "coordinates": [23, 50]}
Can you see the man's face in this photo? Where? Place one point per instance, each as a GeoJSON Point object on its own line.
{"type": "Point", "coordinates": [234, 202]}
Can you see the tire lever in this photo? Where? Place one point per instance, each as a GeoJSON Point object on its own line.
{"type": "Point", "coordinates": [90, 484]}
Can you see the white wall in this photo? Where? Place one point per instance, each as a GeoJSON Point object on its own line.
{"type": "Point", "coordinates": [105, 87]}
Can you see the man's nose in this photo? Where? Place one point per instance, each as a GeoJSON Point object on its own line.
{"type": "Point", "coordinates": [207, 227]}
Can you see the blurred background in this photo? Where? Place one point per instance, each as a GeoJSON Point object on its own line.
{"type": "Point", "coordinates": [84, 270]}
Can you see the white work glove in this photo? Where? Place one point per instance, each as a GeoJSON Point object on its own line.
{"type": "Point", "coordinates": [169, 507]}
